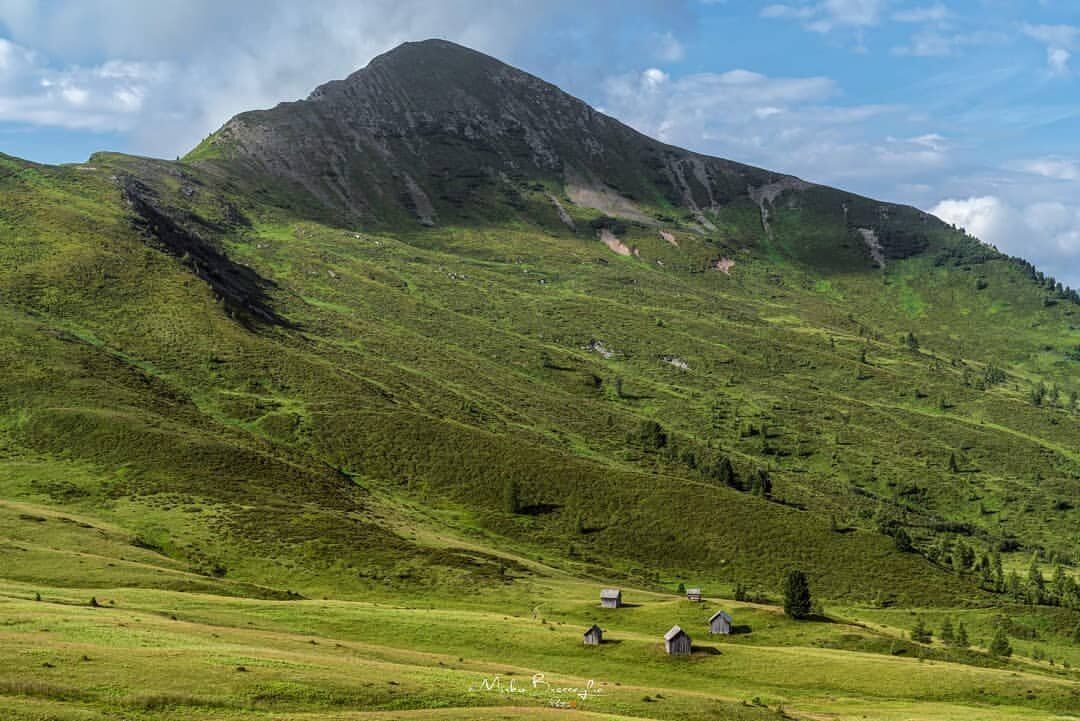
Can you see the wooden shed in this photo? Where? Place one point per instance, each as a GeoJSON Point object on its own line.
{"type": "Point", "coordinates": [693, 594]}
{"type": "Point", "coordinates": [720, 622]}
{"type": "Point", "coordinates": [594, 636]}
{"type": "Point", "coordinates": [677, 642]}
{"type": "Point", "coordinates": [611, 598]}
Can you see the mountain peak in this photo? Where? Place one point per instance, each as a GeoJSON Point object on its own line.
{"type": "Point", "coordinates": [434, 132]}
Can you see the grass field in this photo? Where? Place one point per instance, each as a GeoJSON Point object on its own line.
{"type": "Point", "coordinates": [259, 464]}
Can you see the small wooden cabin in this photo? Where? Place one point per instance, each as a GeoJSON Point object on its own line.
{"type": "Point", "coordinates": [677, 642]}
{"type": "Point", "coordinates": [594, 636]}
{"type": "Point", "coordinates": [611, 598]}
{"type": "Point", "coordinates": [693, 594]}
{"type": "Point", "coordinates": [720, 622]}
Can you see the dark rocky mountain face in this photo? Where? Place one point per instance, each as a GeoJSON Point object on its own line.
{"type": "Point", "coordinates": [436, 130]}
{"type": "Point", "coordinates": [435, 133]}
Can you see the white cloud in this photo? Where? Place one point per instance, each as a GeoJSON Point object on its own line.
{"type": "Point", "coordinates": [1052, 167]}
{"type": "Point", "coordinates": [929, 14]}
{"type": "Point", "coordinates": [828, 15]}
{"type": "Point", "coordinates": [1046, 233]}
{"type": "Point", "coordinates": [1060, 42]}
{"type": "Point", "coordinates": [97, 98]}
{"type": "Point", "coordinates": [668, 48]}
{"type": "Point", "coordinates": [181, 70]}
{"type": "Point", "coordinates": [1058, 60]}
{"type": "Point", "coordinates": [788, 124]}
{"type": "Point", "coordinates": [932, 42]}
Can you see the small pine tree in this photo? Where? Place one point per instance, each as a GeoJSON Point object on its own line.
{"type": "Point", "coordinates": [797, 602]}
{"type": "Point", "coordinates": [682, 588]}
{"type": "Point", "coordinates": [947, 635]}
{"type": "Point", "coordinates": [724, 472]}
{"type": "Point", "coordinates": [94, 602]}
{"type": "Point", "coordinates": [764, 483]}
{"type": "Point", "coordinates": [961, 638]}
{"type": "Point", "coordinates": [999, 645]}
{"type": "Point", "coordinates": [999, 572]}
{"type": "Point", "coordinates": [741, 594]}
{"type": "Point", "coordinates": [954, 467]}
{"type": "Point", "coordinates": [652, 436]}
{"type": "Point", "coordinates": [1036, 584]}
{"type": "Point", "coordinates": [903, 541]}
{"type": "Point", "coordinates": [511, 499]}
{"type": "Point", "coordinates": [920, 633]}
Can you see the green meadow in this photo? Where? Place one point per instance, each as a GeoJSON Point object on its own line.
{"type": "Point", "coordinates": [261, 463]}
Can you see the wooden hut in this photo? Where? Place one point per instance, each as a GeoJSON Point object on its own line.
{"type": "Point", "coordinates": [720, 622]}
{"type": "Point", "coordinates": [611, 598]}
{"type": "Point", "coordinates": [693, 594]}
{"type": "Point", "coordinates": [677, 642]}
{"type": "Point", "coordinates": [594, 636]}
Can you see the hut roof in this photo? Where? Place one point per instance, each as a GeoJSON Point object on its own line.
{"type": "Point", "coordinates": [610, 593]}
{"type": "Point", "coordinates": [718, 614]}
{"type": "Point", "coordinates": [675, 631]}
{"type": "Point", "coordinates": [693, 592]}
{"type": "Point", "coordinates": [592, 628]}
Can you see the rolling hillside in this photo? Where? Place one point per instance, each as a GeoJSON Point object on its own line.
{"type": "Point", "coordinates": [444, 336]}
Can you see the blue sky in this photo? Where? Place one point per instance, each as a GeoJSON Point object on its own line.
{"type": "Point", "coordinates": [966, 108]}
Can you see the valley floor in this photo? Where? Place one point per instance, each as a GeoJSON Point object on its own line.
{"type": "Point", "coordinates": [513, 652]}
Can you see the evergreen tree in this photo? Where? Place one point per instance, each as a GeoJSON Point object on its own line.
{"type": "Point", "coordinates": [954, 467]}
{"type": "Point", "coordinates": [961, 639]}
{"type": "Point", "coordinates": [1036, 584]}
{"type": "Point", "coordinates": [511, 500]}
{"type": "Point", "coordinates": [999, 645]}
{"type": "Point", "coordinates": [999, 572]}
{"type": "Point", "coordinates": [762, 483]}
{"type": "Point", "coordinates": [947, 635]}
{"type": "Point", "coordinates": [903, 541]}
{"type": "Point", "coordinates": [797, 603]}
{"type": "Point", "coordinates": [920, 633]}
{"type": "Point", "coordinates": [1059, 586]}
{"type": "Point", "coordinates": [963, 557]}
{"type": "Point", "coordinates": [724, 472]}
{"type": "Point", "coordinates": [652, 436]}
{"type": "Point", "coordinates": [741, 593]}
{"type": "Point", "coordinates": [1014, 586]}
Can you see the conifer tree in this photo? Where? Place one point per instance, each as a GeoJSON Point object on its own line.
{"type": "Point", "coordinates": [903, 541]}
{"type": "Point", "coordinates": [947, 635]}
{"type": "Point", "coordinates": [1036, 584]}
{"type": "Point", "coordinates": [511, 500]}
{"type": "Point", "coordinates": [797, 603]}
{"type": "Point", "coordinates": [920, 633]}
{"type": "Point", "coordinates": [961, 638]}
{"type": "Point", "coordinates": [999, 645]}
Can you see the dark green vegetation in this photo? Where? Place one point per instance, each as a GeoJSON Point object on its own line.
{"type": "Point", "coordinates": [442, 323]}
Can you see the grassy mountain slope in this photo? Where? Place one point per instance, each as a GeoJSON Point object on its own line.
{"type": "Point", "coordinates": [282, 367]}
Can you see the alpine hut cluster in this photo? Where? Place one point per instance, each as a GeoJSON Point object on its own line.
{"type": "Point", "coordinates": [676, 641]}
